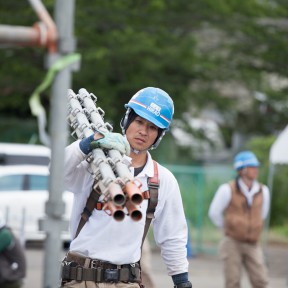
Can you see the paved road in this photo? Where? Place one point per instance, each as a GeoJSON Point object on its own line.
{"type": "Point", "coordinates": [205, 271]}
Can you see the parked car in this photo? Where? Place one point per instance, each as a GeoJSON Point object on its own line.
{"type": "Point", "coordinates": [16, 154]}
{"type": "Point", "coordinates": [23, 194]}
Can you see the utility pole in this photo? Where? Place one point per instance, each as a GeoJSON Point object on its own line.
{"type": "Point", "coordinates": [55, 207]}
{"type": "Point", "coordinates": [59, 40]}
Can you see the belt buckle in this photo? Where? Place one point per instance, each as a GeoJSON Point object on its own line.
{"type": "Point", "coordinates": [111, 275]}
{"type": "Point", "coordinates": [93, 264]}
{"type": "Point", "coordinates": [133, 269]}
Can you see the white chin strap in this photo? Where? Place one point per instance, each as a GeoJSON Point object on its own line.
{"type": "Point", "coordinates": [154, 146]}
{"type": "Point", "coordinates": [137, 151]}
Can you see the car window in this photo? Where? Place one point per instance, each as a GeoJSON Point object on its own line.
{"type": "Point", "coordinates": [38, 182]}
{"type": "Point", "coordinates": [20, 182]}
{"type": "Point", "coordinates": [11, 182]}
{"type": "Point", "coordinates": [9, 159]}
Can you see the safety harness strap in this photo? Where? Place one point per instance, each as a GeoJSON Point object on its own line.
{"type": "Point", "coordinates": [153, 186]}
{"type": "Point", "coordinates": [151, 195]}
{"type": "Point", "coordinates": [90, 205]}
{"type": "Point", "coordinates": [99, 274]}
{"type": "Point", "coordinates": [78, 267]}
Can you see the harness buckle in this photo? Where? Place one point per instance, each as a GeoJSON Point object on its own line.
{"type": "Point", "coordinates": [133, 270]}
{"type": "Point", "coordinates": [153, 185]}
{"type": "Point", "coordinates": [93, 264]}
{"type": "Point", "coordinates": [111, 275]}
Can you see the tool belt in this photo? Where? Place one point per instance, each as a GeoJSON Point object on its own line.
{"type": "Point", "coordinates": [81, 268]}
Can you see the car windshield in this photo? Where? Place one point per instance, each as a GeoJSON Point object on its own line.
{"type": "Point", "coordinates": [17, 182]}
{"type": "Point", "coordinates": [10, 159]}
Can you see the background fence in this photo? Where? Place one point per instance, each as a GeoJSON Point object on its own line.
{"type": "Point", "coordinates": [198, 186]}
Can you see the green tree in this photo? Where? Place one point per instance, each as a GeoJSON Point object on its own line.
{"type": "Point", "coordinates": [204, 53]}
{"type": "Point", "coordinates": [192, 49]}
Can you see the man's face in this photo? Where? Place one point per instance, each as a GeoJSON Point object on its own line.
{"type": "Point", "coordinates": [250, 173]}
{"type": "Point", "coordinates": [141, 133]}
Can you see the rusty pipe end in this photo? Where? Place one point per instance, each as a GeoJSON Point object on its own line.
{"type": "Point", "coordinates": [136, 215]}
{"type": "Point", "coordinates": [136, 198]}
{"type": "Point", "coordinates": [133, 192]}
{"type": "Point", "coordinates": [117, 194]}
{"type": "Point", "coordinates": [119, 199]}
{"type": "Point", "coordinates": [118, 215]}
{"type": "Point", "coordinates": [134, 211]}
{"type": "Point", "coordinates": [115, 211]}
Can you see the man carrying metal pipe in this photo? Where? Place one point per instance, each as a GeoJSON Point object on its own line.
{"type": "Point", "coordinates": [106, 253]}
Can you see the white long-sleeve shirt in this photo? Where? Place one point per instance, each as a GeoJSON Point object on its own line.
{"type": "Point", "coordinates": [223, 197]}
{"type": "Point", "coordinates": [104, 238]}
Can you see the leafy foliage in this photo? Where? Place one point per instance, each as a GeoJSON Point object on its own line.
{"type": "Point", "coordinates": [205, 53]}
{"type": "Point", "coordinates": [192, 49]}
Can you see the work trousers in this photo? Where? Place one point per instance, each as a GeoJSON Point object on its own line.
{"type": "Point", "coordinates": [90, 284]}
{"type": "Point", "coordinates": [236, 254]}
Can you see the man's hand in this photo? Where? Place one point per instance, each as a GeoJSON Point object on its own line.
{"type": "Point", "coordinates": [112, 140]}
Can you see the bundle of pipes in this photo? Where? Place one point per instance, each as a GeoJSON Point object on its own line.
{"type": "Point", "coordinates": [110, 168]}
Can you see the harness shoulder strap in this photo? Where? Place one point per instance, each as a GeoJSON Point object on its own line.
{"type": "Point", "coordinates": [153, 186]}
{"type": "Point", "coordinates": [88, 209]}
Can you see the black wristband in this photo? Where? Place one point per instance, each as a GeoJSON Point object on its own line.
{"type": "Point", "coordinates": [180, 278]}
{"type": "Point", "coordinates": [184, 285]}
{"type": "Point", "coordinates": [85, 144]}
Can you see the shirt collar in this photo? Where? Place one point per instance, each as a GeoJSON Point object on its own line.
{"type": "Point", "coordinates": [244, 188]}
{"type": "Point", "coordinates": [148, 170]}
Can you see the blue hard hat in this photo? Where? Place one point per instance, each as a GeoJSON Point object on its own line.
{"type": "Point", "coordinates": [245, 159]}
{"type": "Point", "coordinates": [154, 105]}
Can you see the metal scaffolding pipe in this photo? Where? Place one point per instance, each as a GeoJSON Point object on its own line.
{"type": "Point", "coordinates": [55, 207]}
{"type": "Point", "coordinates": [18, 34]}
{"type": "Point", "coordinates": [44, 16]}
{"type": "Point", "coordinates": [25, 36]}
{"type": "Point", "coordinates": [42, 33]}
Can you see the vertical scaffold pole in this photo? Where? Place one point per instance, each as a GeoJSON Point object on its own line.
{"type": "Point", "coordinates": [54, 224]}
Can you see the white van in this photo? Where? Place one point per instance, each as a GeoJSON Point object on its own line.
{"type": "Point", "coordinates": [18, 154]}
{"type": "Point", "coordinates": [23, 194]}
{"type": "Point", "coordinates": [24, 178]}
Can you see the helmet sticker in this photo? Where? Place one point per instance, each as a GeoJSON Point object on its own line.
{"type": "Point", "coordinates": [154, 108]}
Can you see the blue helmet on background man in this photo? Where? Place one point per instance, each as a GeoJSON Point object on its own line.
{"type": "Point", "coordinates": [245, 159]}
{"type": "Point", "coordinates": [154, 105]}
